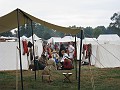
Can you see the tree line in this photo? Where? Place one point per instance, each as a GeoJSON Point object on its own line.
{"type": "Point", "coordinates": [46, 33]}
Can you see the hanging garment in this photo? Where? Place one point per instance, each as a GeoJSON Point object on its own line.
{"type": "Point", "coordinates": [36, 50]}
{"type": "Point", "coordinates": [25, 48]}
{"type": "Point", "coordinates": [30, 44]}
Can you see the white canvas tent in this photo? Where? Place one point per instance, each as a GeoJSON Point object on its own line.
{"type": "Point", "coordinates": [69, 39]}
{"type": "Point", "coordinates": [104, 55]}
{"type": "Point", "coordinates": [109, 39]}
{"type": "Point", "coordinates": [93, 42]}
{"type": "Point", "coordinates": [38, 48]}
{"type": "Point", "coordinates": [37, 44]}
{"type": "Point", "coordinates": [9, 57]}
{"type": "Point", "coordinates": [35, 37]}
{"type": "Point", "coordinates": [108, 57]}
{"type": "Point", "coordinates": [23, 38]}
{"type": "Point", "coordinates": [54, 39]}
{"type": "Point", "coordinates": [106, 52]}
{"type": "Point", "coordinates": [64, 39]}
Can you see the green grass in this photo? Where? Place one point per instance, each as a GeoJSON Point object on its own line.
{"type": "Point", "coordinates": [104, 79]}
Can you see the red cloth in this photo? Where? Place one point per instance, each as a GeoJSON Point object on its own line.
{"type": "Point", "coordinates": [67, 64]}
{"type": "Point", "coordinates": [87, 49]}
{"type": "Point", "coordinates": [25, 48]}
{"type": "Point", "coordinates": [75, 54]}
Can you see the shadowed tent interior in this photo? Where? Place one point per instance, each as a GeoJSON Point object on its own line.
{"type": "Point", "coordinates": [9, 22]}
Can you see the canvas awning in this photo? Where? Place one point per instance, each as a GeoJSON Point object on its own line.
{"type": "Point", "coordinates": [9, 22]}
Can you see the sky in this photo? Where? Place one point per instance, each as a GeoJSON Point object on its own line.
{"type": "Point", "coordinates": [66, 13]}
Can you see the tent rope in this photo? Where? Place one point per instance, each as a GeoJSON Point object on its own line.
{"type": "Point", "coordinates": [98, 60]}
{"type": "Point", "coordinates": [92, 78]}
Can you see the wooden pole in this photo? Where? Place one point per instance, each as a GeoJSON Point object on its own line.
{"type": "Point", "coordinates": [20, 49]}
{"type": "Point", "coordinates": [80, 61]}
{"type": "Point", "coordinates": [33, 49]}
{"type": "Point", "coordinates": [75, 59]}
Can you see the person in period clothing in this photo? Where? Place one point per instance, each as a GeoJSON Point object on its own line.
{"type": "Point", "coordinates": [50, 68]}
{"type": "Point", "coordinates": [71, 50]}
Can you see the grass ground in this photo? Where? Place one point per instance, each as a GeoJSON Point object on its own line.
{"type": "Point", "coordinates": [104, 79]}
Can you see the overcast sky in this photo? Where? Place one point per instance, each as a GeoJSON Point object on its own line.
{"type": "Point", "coordinates": [66, 12]}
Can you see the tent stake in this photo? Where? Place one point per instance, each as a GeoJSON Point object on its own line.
{"type": "Point", "coordinates": [20, 48]}
{"type": "Point", "coordinates": [80, 61]}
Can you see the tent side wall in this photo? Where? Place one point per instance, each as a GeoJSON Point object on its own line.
{"type": "Point", "coordinates": [106, 59]}
{"type": "Point", "coordinates": [9, 57]}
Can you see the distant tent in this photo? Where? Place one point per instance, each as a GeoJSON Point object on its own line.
{"type": "Point", "coordinates": [64, 39]}
{"type": "Point", "coordinates": [69, 39]}
{"type": "Point", "coordinates": [92, 41]}
{"type": "Point", "coordinates": [23, 37]}
{"type": "Point", "coordinates": [109, 39]}
{"type": "Point", "coordinates": [108, 51]}
{"type": "Point", "coordinates": [35, 37]}
{"type": "Point", "coordinates": [54, 39]}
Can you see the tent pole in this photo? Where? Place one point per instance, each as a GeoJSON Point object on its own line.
{"type": "Point", "coordinates": [32, 41]}
{"type": "Point", "coordinates": [75, 58]}
{"type": "Point", "coordinates": [20, 48]}
{"type": "Point", "coordinates": [80, 60]}
{"type": "Point", "coordinates": [33, 49]}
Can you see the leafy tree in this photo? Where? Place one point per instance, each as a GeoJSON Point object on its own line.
{"type": "Point", "coordinates": [98, 30]}
{"type": "Point", "coordinates": [47, 36]}
{"type": "Point", "coordinates": [88, 32]}
{"type": "Point", "coordinates": [6, 34]}
{"type": "Point", "coordinates": [116, 20]}
{"type": "Point", "coordinates": [114, 26]}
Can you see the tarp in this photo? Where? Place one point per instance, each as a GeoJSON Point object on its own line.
{"type": "Point", "coordinates": [10, 21]}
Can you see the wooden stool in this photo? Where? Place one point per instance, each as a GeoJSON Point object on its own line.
{"type": "Point", "coordinates": [46, 76]}
{"type": "Point", "coordinates": [67, 77]}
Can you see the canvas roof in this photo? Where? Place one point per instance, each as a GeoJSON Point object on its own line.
{"type": "Point", "coordinates": [9, 22]}
{"type": "Point", "coordinates": [108, 37]}
{"type": "Point", "coordinates": [35, 37]}
{"type": "Point", "coordinates": [92, 41]}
